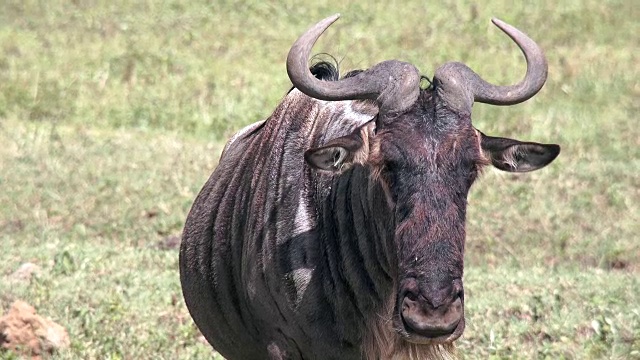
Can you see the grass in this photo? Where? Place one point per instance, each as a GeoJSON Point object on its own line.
{"type": "Point", "coordinates": [113, 115]}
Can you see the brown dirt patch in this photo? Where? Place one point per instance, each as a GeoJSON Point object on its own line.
{"type": "Point", "coordinates": [27, 333]}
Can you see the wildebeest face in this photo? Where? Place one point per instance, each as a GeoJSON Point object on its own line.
{"type": "Point", "coordinates": [427, 160]}
{"type": "Point", "coordinates": [428, 165]}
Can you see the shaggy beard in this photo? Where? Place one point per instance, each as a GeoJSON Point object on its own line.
{"type": "Point", "coordinates": [382, 342]}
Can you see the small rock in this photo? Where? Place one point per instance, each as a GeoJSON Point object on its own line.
{"type": "Point", "coordinates": [27, 333]}
{"type": "Point", "coordinates": [25, 272]}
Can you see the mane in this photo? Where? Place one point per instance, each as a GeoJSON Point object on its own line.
{"type": "Point", "coordinates": [326, 67]}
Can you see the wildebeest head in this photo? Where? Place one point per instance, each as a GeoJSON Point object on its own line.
{"type": "Point", "coordinates": [425, 152]}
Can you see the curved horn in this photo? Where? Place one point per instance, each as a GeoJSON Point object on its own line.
{"type": "Point", "coordinates": [393, 84]}
{"type": "Point", "coordinates": [459, 86]}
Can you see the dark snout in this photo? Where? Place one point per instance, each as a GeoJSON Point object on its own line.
{"type": "Point", "coordinates": [431, 311]}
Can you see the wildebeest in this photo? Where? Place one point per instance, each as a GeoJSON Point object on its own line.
{"type": "Point", "coordinates": [335, 228]}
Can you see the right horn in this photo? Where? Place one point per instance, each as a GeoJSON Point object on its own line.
{"type": "Point", "coordinates": [459, 86]}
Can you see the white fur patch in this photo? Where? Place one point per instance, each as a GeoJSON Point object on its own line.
{"type": "Point", "coordinates": [358, 117]}
{"type": "Point", "coordinates": [303, 221]}
{"type": "Point", "coordinates": [301, 278]}
{"type": "Point", "coordinates": [510, 157]}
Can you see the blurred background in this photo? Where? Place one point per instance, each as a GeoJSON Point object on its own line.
{"type": "Point", "coordinates": [113, 115]}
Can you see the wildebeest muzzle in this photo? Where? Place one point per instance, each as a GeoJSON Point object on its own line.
{"type": "Point", "coordinates": [430, 310]}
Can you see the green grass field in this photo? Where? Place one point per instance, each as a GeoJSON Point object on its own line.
{"type": "Point", "coordinates": [113, 116]}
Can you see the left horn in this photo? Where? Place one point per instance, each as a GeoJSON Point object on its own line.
{"type": "Point", "coordinates": [393, 84]}
{"type": "Point", "coordinates": [459, 86]}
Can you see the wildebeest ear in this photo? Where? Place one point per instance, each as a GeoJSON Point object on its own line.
{"type": "Point", "coordinates": [338, 154]}
{"type": "Point", "coordinates": [517, 156]}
